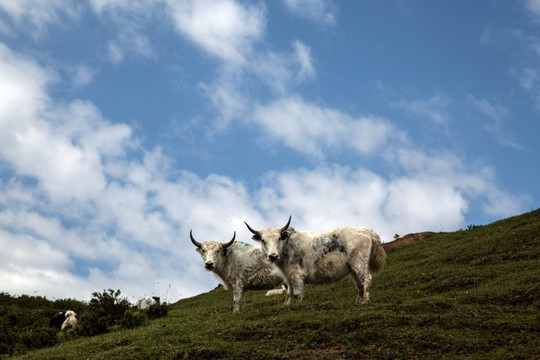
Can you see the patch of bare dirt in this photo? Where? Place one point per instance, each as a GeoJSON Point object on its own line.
{"type": "Point", "coordinates": [406, 239]}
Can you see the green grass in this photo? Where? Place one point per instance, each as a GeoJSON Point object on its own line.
{"type": "Point", "coordinates": [471, 294]}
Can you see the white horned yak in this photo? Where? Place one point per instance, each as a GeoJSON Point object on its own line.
{"type": "Point", "coordinates": [238, 266]}
{"type": "Point", "coordinates": [321, 258]}
{"type": "Point", "coordinates": [63, 320]}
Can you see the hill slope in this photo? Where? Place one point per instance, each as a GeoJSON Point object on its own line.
{"type": "Point", "coordinates": [467, 294]}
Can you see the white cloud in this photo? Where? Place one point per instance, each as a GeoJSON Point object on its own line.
{"type": "Point", "coordinates": [476, 183]}
{"type": "Point", "coordinates": [528, 78]}
{"type": "Point", "coordinates": [320, 11]}
{"type": "Point", "coordinates": [498, 116]}
{"type": "Point", "coordinates": [279, 70]}
{"type": "Point", "coordinates": [433, 192]}
{"type": "Point", "coordinates": [303, 56]}
{"type": "Point", "coordinates": [224, 28]}
{"type": "Point", "coordinates": [29, 142]}
{"type": "Point", "coordinates": [434, 108]}
{"type": "Point", "coordinates": [230, 94]}
{"type": "Point", "coordinates": [228, 97]}
{"type": "Point", "coordinates": [102, 218]}
{"type": "Point", "coordinates": [115, 6]}
{"type": "Point", "coordinates": [35, 15]}
{"type": "Point", "coordinates": [129, 41]}
{"type": "Point", "coordinates": [82, 75]}
{"type": "Point", "coordinates": [533, 6]}
{"type": "Point", "coordinates": [130, 19]}
{"type": "Point", "coordinates": [312, 129]}
{"type": "Point", "coordinates": [328, 197]}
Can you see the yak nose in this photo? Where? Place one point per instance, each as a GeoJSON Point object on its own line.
{"type": "Point", "coordinates": [273, 256]}
{"type": "Point", "coordinates": [209, 265]}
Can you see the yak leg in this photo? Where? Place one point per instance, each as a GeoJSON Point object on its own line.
{"type": "Point", "coordinates": [361, 276]}
{"type": "Point", "coordinates": [290, 294]}
{"type": "Point", "coordinates": [363, 282]}
{"type": "Point", "coordinates": [238, 298]}
{"type": "Point", "coordinates": [296, 284]}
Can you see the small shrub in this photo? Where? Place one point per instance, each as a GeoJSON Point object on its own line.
{"type": "Point", "coordinates": [132, 319]}
{"type": "Point", "coordinates": [92, 323]}
{"type": "Point", "coordinates": [39, 337]}
{"type": "Point", "coordinates": [157, 310]}
{"type": "Point", "coordinates": [8, 339]}
{"type": "Point", "coordinates": [105, 310]}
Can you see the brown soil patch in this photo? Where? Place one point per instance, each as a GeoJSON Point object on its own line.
{"type": "Point", "coordinates": [406, 239]}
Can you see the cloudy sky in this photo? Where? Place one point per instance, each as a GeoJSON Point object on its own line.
{"type": "Point", "coordinates": [126, 123]}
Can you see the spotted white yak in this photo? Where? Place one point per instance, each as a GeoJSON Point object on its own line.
{"type": "Point", "coordinates": [63, 320]}
{"type": "Point", "coordinates": [321, 258]}
{"type": "Point", "coordinates": [238, 266]}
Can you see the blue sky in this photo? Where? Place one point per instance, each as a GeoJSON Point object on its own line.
{"type": "Point", "coordinates": [126, 123]}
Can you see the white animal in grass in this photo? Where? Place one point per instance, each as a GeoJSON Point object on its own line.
{"type": "Point", "coordinates": [147, 301]}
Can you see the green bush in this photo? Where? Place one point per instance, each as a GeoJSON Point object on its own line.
{"type": "Point", "coordinates": [39, 336]}
{"type": "Point", "coordinates": [24, 320]}
{"type": "Point", "coordinates": [8, 339]}
{"type": "Point", "coordinates": [104, 311]}
{"type": "Point", "coordinates": [157, 310]}
{"type": "Point", "coordinates": [132, 319]}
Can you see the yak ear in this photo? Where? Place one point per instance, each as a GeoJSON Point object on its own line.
{"type": "Point", "coordinates": [284, 235]}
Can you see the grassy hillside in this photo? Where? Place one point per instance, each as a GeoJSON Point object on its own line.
{"type": "Point", "coordinates": [468, 294]}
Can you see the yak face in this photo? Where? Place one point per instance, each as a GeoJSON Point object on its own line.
{"type": "Point", "coordinates": [212, 252]}
{"type": "Point", "coordinates": [272, 240]}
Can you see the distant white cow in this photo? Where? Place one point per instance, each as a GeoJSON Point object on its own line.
{"type": "Point", "coordinates": [319, 258]}
{"type": "Point", "coordinates": [63, 320]}
{"type": "Point", "coordinates": [147, 301]}
{"type": "Point", "coordinates": [238, 266]}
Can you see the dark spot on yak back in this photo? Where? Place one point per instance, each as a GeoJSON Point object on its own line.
{"type": "Point", "coordinates": [326, 245]}
{"type": "Point", "coordinates": [334, 245]}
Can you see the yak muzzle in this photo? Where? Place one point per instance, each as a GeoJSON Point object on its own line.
{"type": "Point", "coordinates": [209, 265]}
{"type": "Point", "coordinates": [273, 256]}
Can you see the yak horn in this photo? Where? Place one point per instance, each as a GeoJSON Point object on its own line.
{"type": "Point", "coordinates": [230, 242]}
{"type": "Point", "coordinates": [250, 229]}
{"type": "Point", "coordinates": [286, 226]}
{"type": "Point", "coordinates": [195, 242]}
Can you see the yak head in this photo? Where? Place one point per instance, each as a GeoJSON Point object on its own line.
{"type": "Point", "coordinates": [272, 240]}
{"type": "Point", "coordinates": [212, 252]}
{"type": "Point", "coordinates": [70, 313]}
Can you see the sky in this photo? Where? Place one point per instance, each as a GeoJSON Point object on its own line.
{"type": "Point", "coordinates": [124, 124]}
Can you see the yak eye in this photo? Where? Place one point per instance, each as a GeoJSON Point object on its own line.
{"type": "Point", "coordinates": [284, 236]}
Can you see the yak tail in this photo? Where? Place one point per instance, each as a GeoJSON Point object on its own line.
{"type": "Point", "coordinates": [377, 258]}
